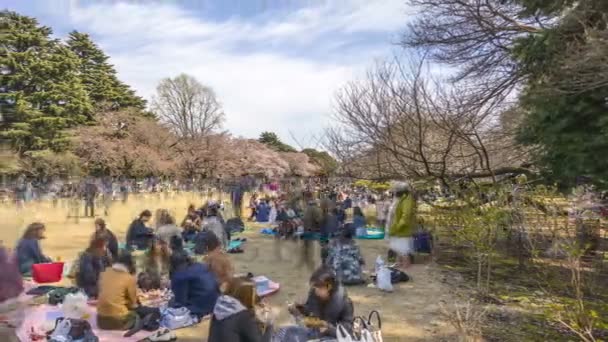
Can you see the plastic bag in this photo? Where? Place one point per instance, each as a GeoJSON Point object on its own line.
{"type": "Point", "coordinates": [75, 306]}
{"type": "Point", "coordinates": [383, 280]}
{"type": "Point", "coordinates": [379, 264]}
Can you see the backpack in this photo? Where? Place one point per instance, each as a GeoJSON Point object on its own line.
{"type": "Point", "coordinates": [423, 241]}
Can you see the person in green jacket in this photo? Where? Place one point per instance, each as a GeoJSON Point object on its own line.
{"type": "Point", "coordinates": [402, 223]}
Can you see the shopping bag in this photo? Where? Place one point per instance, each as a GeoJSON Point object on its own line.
{"type": "Point", "coordinates": [50, 272]}
{"type": "Point", "coordinates": [361, 332]}
{"type": "Point", "coordinates": [375, 330]}
{"type": "Point", "coordinates": [343, 335]}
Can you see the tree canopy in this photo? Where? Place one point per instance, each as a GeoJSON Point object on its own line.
{"type": "Point", "coordinates": [273, 141]}
{"type": "Point", "coordinates": [41, 88]}
{"type": "Point", "coordinates": [50, 86]}
{"type": "Point", "coordinates": [550, 55]}
{"type": "Point", "coordinates": [188, 107]}
{"type": "Point", "coordinates": [99, 77]}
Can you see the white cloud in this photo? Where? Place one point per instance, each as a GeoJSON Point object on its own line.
{"type": "Point", "coordinates": [251, 67]}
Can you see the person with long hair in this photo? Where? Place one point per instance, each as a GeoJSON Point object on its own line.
{"type": "Point", "coordinates": [167, 227]}
{"type": "Point", "coordinates": [213, 224]}
{"type": "Point", "coordinates": [234, 316]}
{"type": "Point", "coordinates": [138, 234]}
{"type": "Point", "coordinates": [28, 248]}
{"type": "Point", "coordinates": [218, 261]}
{"type": "Point", "coordinates": [90, 265]}
{"type": "Point", "coordinates": [194, 286]}
{"type": "Point", "coordinates": [101, 228]}
{"type": "Point", "coordinates": [117, 306]}
{"type": "Point", "coordinates": [327, 301]}
{"type": "Point", "coordinates": [191, 215]}
{"type": "Point", "coordinates": [156, 266]}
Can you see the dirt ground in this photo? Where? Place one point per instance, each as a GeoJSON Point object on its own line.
{"type": "Point", "coordinates": [411, 313]}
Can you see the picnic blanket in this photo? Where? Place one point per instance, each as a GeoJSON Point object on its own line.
{"type": "Point", "coordinates": [267, 231]}
{"type": "Point", "coordinates": [373, 234]}
{"type": "Point", "coordinates": [42, 318]}
{"type": "Point", "coordinates": [235, 244]}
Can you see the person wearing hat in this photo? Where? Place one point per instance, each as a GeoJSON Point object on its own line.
{"type": "Point", "coordinates": [401, 223]}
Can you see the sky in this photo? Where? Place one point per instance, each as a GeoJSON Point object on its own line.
{"type": "Point", "coordinates": [275, 65]}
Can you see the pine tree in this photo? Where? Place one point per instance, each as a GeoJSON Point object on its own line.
{"type": "Point", "coordinates": [41, 91]}
{"type": "Point", "coordinates": [568, 123]}
{"type": "Point", "coordinates": [99, 76]}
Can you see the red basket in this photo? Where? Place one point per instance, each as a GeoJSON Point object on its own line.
{"type": "Point", "coordinates": [47, 273]}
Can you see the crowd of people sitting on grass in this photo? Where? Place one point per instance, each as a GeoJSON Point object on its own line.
{"type": "Point", "coordinates": [191, 261]}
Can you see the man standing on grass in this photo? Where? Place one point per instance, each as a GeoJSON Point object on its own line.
{"type": "Point", "coordinates": [90, 194]}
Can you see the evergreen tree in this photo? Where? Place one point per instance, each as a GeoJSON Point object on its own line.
{"type": "Point", "coordinates": [99, 76]}
{"type": "Point", "coordinates": [326, 163]}
{"type": "Point", "coordinates": [568, 125]}
{"type": "Point", "coordinates": [272, 140]}
{"type": "Point", "coordinates": [41, 91]}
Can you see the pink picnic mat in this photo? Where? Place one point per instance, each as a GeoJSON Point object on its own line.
{"type": "Point", "coordinates": [43, 317]}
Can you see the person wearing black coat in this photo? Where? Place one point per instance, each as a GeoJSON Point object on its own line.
{"type": "Point", "coordinates": [234, 316]}
{"type": "Point", "coordinates": [138, 234]}
{"type": "Point", "coordinates": [328, 301]}
{"type": "Point", "coordinates": [90, 265]}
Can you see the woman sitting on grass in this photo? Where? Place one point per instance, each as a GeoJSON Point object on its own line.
{"type": "Point", "coordinates": [212, 223]}
{"type": "Point", "coordinates": [345, 258]}
{"type": "Point", "coordinates": [90, 265]}
{"type": "Point", "coordinates": [156, 266]}
{"type": "Point", "coordinates": [28, 249]}
{"type": "Point", "coordinates": [234, 317]}
{"type": "Point", "coordinates": [191, 215]}
{"type": "Point", "coordinates": [190, 231]}
{"type": "Point", "coordinates": [218, 261]}
{"type": "Point", "coordinates": [138, 234]}
{"type": "Point", "coordinates": [167, 227]}
{"type": "Point", "coordinates": [194, 286]}
{"type": "Point", "coordinates": [101, 229]}
{"type": "Point", "coordinates": [118, 307]}
{"type": "Point", "coordinates": [328, 302]}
